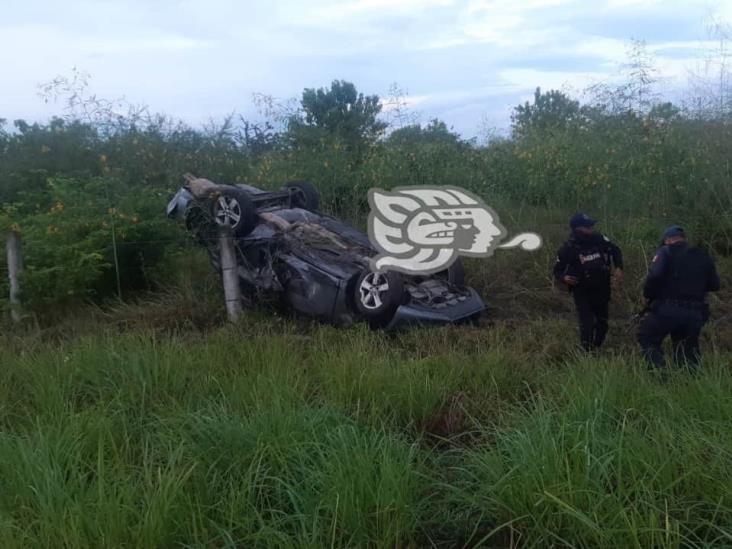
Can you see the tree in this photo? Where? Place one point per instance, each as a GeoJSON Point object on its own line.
{"type": "Point", "coordinates": [642, 77]}
{"type": "Point", "coordinates": [663, 113]}
{"type": "Point", "coordinates": [711, 90]}
{"type": "Point", "coordinates": [35, 152]}
{"type": "Point", "coordinates": [550, 111]}
{"type": "Point", "coordinates": [632, 93]}
{"type": "Point", "coordinates": [436, 132]}
{"type": "Point", "coordinates": [107, 116]}
{"type": "Point", "coordinates": [340, 112]}
{"type": "Point", "coordinates": [258, 139]}
{"type": "Point", "coordinates": [397, 110]}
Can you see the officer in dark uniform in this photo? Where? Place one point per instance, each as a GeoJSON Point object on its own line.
{"type": "Point", "coordinates": [586, 264]}
{"type": "Point", "coordinates": [676, 286]}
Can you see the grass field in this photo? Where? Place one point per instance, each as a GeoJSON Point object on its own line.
{"type": "Point", "coordinates": [276, 433]}
{"type": "Point", "coordinates": [132, 415]}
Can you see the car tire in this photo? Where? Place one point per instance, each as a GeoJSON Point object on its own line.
{"type": "Point", "coordinates": [233, 208]}
{"type": "Point", "coordinates": [377, 295]}
{"type": "Point", "coordinates": [303, 194]}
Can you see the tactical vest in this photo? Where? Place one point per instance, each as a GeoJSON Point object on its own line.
{"type": "Point", "coordinates": [594, 262]}
{"type": "Point", "coordinates": [686, 275]}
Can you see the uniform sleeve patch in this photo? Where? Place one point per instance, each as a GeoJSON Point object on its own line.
{"type": "Point", "coordinates": [606, 238]}
{"type": "Point", "coordinates": [655, 258]}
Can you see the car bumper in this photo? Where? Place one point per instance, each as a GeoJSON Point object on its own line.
{"type": "Point", "coordinates": [179, 203]}
{"type": "Point", "coordinates": [411, 314]}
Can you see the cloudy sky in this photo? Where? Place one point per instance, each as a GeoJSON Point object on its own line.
{"type": "Point", "coordinates": [465, 61]}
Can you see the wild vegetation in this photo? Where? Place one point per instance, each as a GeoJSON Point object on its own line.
{"type": "Point", "coordinates": [131, 415]}
{"type": "Point", "coordinates": [95, 183]}
{"type": "Point", "coordinates": [274, 434]}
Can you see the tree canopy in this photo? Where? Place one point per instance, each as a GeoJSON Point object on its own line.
{"type": "Point", "coordinates": [552, 110]}
{"type": "Point", "coordinates": [435, 132]}
{"type": "Point", "coordinates": [339, 111]}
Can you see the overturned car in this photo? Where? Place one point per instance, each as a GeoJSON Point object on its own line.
{"type": "Point", "coordinates": [318, 265]}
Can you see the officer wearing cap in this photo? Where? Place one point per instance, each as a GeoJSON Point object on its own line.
{"type": "Point", "coordinates": [676, 286]}
{"type": "Point", "coordinates": [585, 264]}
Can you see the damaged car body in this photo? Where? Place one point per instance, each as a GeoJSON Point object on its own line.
{"type": "Point", "coordinates": [318, 265]}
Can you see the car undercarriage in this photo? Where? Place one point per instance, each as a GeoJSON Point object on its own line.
{"type": "Point", "coordinates": [315, 264]}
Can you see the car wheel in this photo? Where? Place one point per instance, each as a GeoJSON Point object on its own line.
{"type": "Point", "coordinates": [303, 195]}
{"type": "Point", "coordinates": [377, 295]}
{"type": "Point", "coordinates": [233, 208]}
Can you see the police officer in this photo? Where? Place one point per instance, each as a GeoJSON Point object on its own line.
{"type": "Point", "coordinates": [676, 286]}
{"type": "Point", "coordinates": [585, 264]}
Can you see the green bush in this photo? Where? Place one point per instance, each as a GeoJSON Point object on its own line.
{"type": "Point", "coordinates": [91, 234]}
{"type": "Point", "coordinates": [73, 187]}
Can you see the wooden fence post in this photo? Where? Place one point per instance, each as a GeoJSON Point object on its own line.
{"type": "Point", "coordinates": [15, 268]}
{"type": "Point", "coordinates": [230, 275]}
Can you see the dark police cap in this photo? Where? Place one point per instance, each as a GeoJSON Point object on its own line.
{"type": "Point", "coordinates": [581, 220]}
{"type": "Point", "coordinates": [673, 230]}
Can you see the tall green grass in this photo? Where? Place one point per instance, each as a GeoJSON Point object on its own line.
{"type": "Point", "coordinates": [271, 434]}
{"type": "Point", "coordinates": [605, 458]}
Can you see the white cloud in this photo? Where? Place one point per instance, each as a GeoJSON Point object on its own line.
{"type": "Point", "coordinates": [359, 12]}
{"type": "Point", "coordinates": [386, 7]}
{"type": "Point", "coordinates": [503, 6]}
{"type": "Point", "coordinates": [142, 44]}
{"type": "Point", "coordinates": [504, 23]}
{"type": "Point", "coordinates": [408, 102]}
{"type": "Point", "coordinates": [197, 58]}
{"type": "Point", "coordinates": [521, 80]}
{"type": "Point", "coordinates": [606, 49]}
{"type": "Point", "coordinates": [632, 4]}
